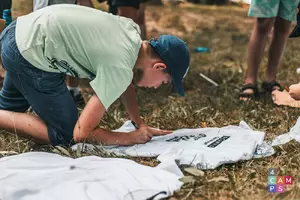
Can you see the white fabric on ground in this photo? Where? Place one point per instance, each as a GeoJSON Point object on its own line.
{"type": "Point", "coordinates": [45, 176]}
{"type": "Point", "coordinates": [266, 148]}
{"type": "Point", "coordinates": [205, 148]}
{"type": "Point", "coordinates": [293, 134]}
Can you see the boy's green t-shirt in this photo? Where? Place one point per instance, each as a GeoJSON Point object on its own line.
{"type": "Point", "coordinates": [82, 42]}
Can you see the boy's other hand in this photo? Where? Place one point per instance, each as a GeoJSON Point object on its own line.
{"type": "Point", "coordinates": [141, 135]}
{"type": "Point", "coordinates": [295, 91]}
{"type": "Point", "coordinates": [284, 98]}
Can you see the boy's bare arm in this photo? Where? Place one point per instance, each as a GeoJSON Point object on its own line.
{"type": "Point", "coordinates": [130, 102]}
{"type": "Point", "coordinates": [129, 99]}
{"type": "Point", "coordinates": [86, 128]}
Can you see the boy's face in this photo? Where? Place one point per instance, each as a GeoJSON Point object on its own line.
{"type": "Point", "coordinates": [152, 77]}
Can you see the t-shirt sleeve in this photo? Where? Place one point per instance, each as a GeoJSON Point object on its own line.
{"type": "Point", "coordinates": [110, 83]}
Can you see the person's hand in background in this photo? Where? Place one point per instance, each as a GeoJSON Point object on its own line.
{"type": "Point", "coordinates": [294, 91]}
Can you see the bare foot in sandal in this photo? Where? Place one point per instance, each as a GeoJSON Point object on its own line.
{"type": "Point", "coordinates": [248, 92]}
{"type": "Point", "coordinates": [269, 87]}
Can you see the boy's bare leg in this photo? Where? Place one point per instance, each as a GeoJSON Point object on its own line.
{"type": "Point", "coordinates": [25, 125]}
{"type": "Point", "coordinates": [280, 35]}
{"type": "Point", "coordinates": [256, 48]}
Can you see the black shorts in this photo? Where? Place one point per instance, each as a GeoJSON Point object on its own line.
{"type": "Point", "coordinates": [118, 3]}
{"type": "Point", "coordinates": [4, 4]}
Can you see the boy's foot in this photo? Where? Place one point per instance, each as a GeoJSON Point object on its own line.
{"type": "Point", "coordinates": [78, 98]}
{"type": "Point", "coordinates": [249, 92]}
{"type": "Point", "coordinates": [269, 87]}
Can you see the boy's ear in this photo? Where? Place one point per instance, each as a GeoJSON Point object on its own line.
{"type": "Point", "coordinates": [160, 66]}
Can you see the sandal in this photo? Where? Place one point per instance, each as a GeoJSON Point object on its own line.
{"type": "Point", "coordinates": [249, 96]}
{"type": "Point", "coordinates": [269, 87]}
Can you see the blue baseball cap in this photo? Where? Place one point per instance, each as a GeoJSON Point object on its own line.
{"type": "Point", "coordinates": [175, 54]}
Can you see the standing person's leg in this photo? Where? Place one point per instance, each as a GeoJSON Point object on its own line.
{"type": "Point", "coordinates": [129, 12]}
{"type": "Point", "coordinates": [141, 20]}
{"type": "Point", "coordinates": [280, 35]}
{"type": "Point", "coordinates": [256, 49]}
{"type": "Point", "coordinates": [45, 92]}
{"type": "Point", "coordinates": [265, 11]}
{"type": "Point", "coordinates": [286, 14]}
{"type": "Point", "coordinates": [127, 8]}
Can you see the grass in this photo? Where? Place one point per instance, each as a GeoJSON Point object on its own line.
{"type": "Point", "coordinates": [226, 31]}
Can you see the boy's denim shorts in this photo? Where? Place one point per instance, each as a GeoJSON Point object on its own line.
{"type": "Point", "coordinates": [286, 9]}
{"type": "Point", "coordinates": [25, 85]}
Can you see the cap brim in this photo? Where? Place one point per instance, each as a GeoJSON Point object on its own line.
{"type": "Point", "coordinates": [178, 86]}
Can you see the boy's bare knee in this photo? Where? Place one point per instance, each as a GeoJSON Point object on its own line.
{"type": "Point", "coordinates": [264, 25]}
{"type": "Point", "coordinates": [282, 27]}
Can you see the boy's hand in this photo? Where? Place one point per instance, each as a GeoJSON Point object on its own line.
{"type": "Point", "coordinates": [145, 133]}
{"type": "Point", "coordinates": [154, 131]}
{"type": "Point", "coordinates": [141, 136]}
{"type": "Point", "coordinates": [295, 91]}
